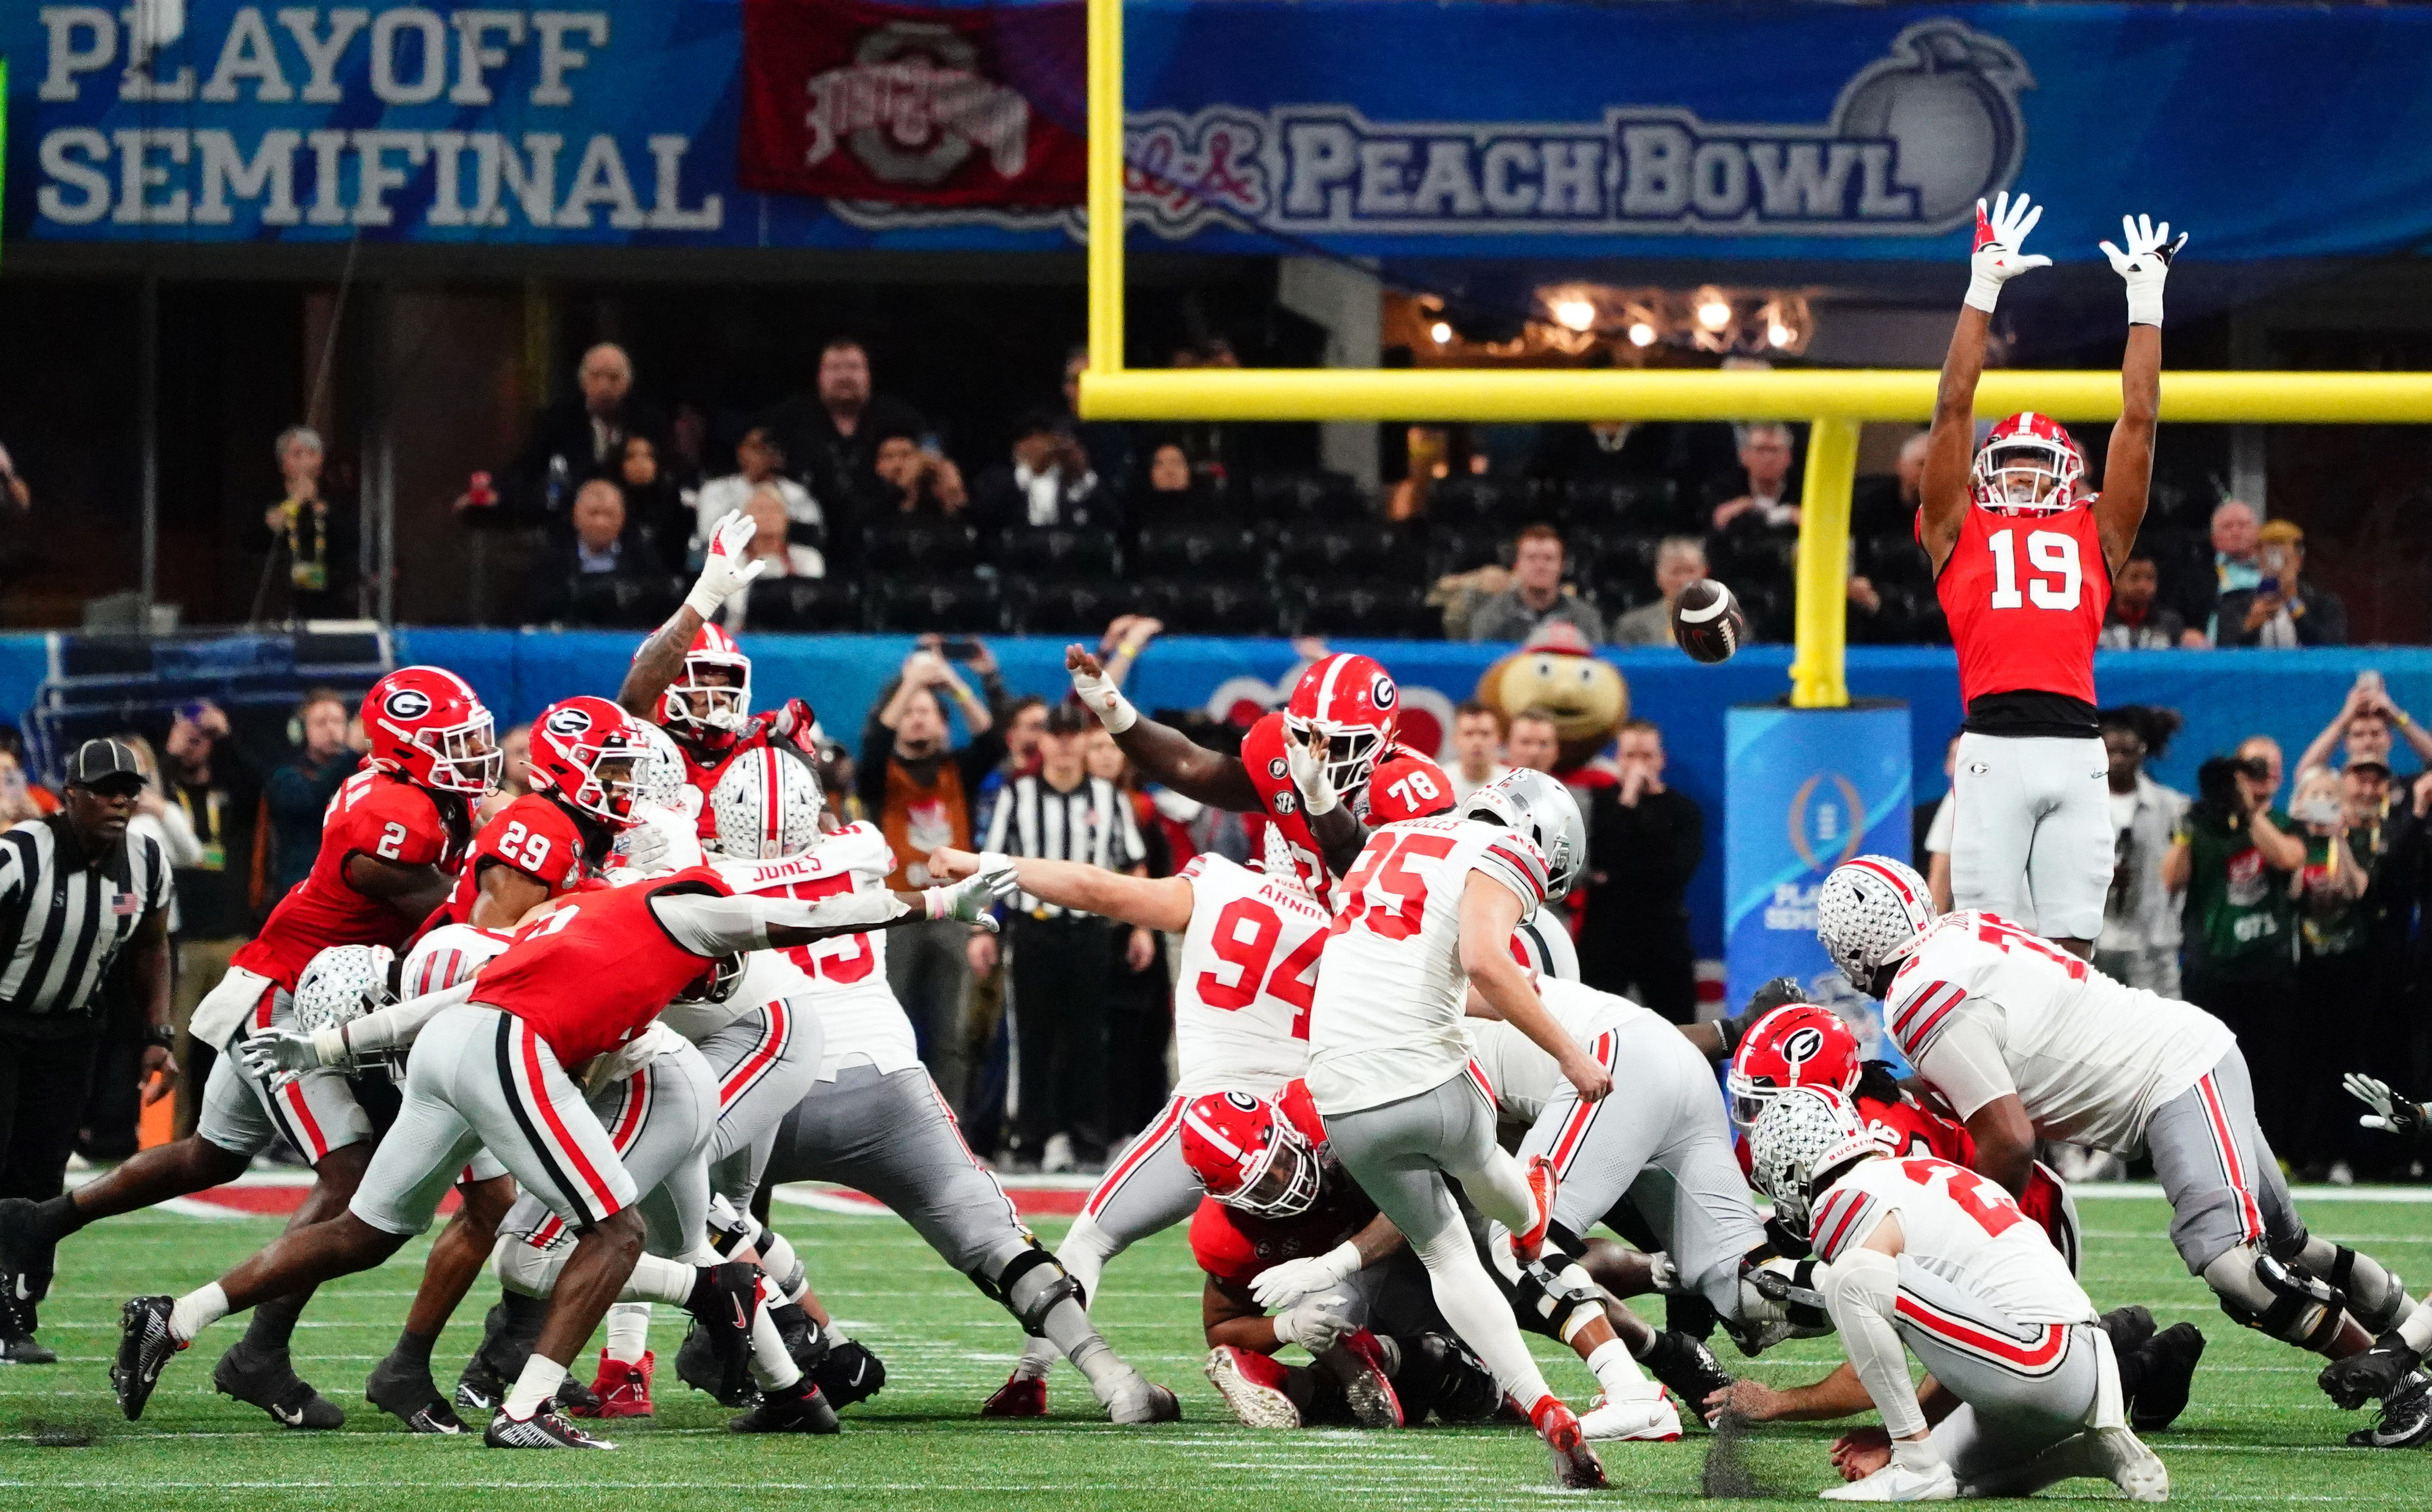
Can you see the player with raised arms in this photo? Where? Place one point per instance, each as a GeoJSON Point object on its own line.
{"type": "Point", "coordinates": [2023, 565]}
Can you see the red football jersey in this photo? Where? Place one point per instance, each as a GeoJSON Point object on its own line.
{"type": "Point", "coordinates": [373, 814]}
{"type": "Point", "coordinates": [2025, 594]}
{"type": "Point", "coordinates": [1234, 1246]}
{"type": "Point", "coordinates": [704, 768]}
{"type": "Point", "coordinates": [593, 974]}
{"type": "Point", "coordinates": [1262, 755]}
{"type": "Point", "coordinates": [533, 836]}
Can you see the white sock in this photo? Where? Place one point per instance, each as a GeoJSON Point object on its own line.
{"type": "Point", "coordinates": [782, 1267]}
{"type": "Point", "coordinates": [629, 1331]}
{"type": "Point", "coordinates": [1476, 1309]}
{"type": "Point", "coordinates": [541, 1378]}
{"type": "Point", "coordinates": [1615, 1371]}
{"type": "Point", "coordinates": [772, 1365]}
{"type": "Point", "coordinates": [2416, 1329]}
{"type": "Point", "coordinates": [196, 1311]}
{"type": "Point", "coordinates": [833, 1334]}
{"type": "Point", "coordinates": [657, 1279]}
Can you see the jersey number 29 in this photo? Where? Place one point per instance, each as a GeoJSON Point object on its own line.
{"type": "Point", "coordinates": [2050, 553]}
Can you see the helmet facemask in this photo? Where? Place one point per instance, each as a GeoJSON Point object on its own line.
{"type": "Point", "coordinates": [464, 758]}
{"type": "Point", "coordinates": [1278, 1181]}
{"type": "Point", "coordinates": [712, 697]}
{"type": "Point", "coordinates": [1351, 750]}
{"type": "Point", "coordinates": [2026, 474]}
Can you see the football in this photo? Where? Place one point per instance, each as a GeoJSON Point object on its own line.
{"type": "Point", "coordinates": [1707, 622]}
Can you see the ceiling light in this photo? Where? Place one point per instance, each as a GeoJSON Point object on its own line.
{"type": "Point", "coordinates": [1641, 334]}
{"type": "Point", "coordinates": [1574, 314]}
{"type": "Point", "coordinates": [1439, 333]}
{"type": "Point", "coordinates": [1714, 313]}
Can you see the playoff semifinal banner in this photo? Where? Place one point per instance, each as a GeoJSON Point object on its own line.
{"type": "Point", "coordinates": [1779, 131]}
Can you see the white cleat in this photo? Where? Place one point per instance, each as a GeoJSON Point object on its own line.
{"type": "Point", "coordinates": [1897, 1482]}
{"type": "Point", "coordinates": [1252, 1385]}
{"type": "Point", "coordinates": [1140, 1399]}
{"type": "Point", "coordinates": [1652, 1419]}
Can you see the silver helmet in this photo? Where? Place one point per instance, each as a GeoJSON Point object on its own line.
{"type": "Point", "coordinates": [658, 772]}
{"type": "Point", "coordinates": [1870, 912]}
{"type": "Point", "coordinates": [342, 984]}
{"type": "Point", "coordinates": [1541, 808]}
{"type": "Point", "coordinates": [766, 806]}
{"type": "Point", "coordinates": [1805, 1132]}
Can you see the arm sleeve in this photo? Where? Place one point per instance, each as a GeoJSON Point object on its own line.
{"type": "Point", "coordinates": [1859, 1293]}
{"type": "Point", "coordinates": [709, 926]}
{"type": "Point", "coordinates": [1965, 1065]}
{"type": "Point", "coordinates": [398, 1023]}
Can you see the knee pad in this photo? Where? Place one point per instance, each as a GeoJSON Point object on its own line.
{"type": "Point", "coordinates": [1029, 1284]}
{"type": "Point", "coordinates": [2378, 1311]}
{"type": "Point", "coordinates": [1548, 1302]}
{"type": "Point", "coordinates": [2289, 1248]}
{"type": "Point", "coordinates": [2263, 1294]}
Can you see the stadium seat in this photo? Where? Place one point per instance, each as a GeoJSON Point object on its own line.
{"type": "Point", "coordinates": [1615, 596]}
{"type": "Point", "coordinates": [1058, 553]}
{"type": "Point", "coordinates": [1214, 549]}
{"type": "Point", "coordinates": [1310, 495]}
{"type": "Point", "coordinates": [1757, 556]}
{"type": "Point", "coordinates": [1383, 607]}
{"type": "Point", "coordinates": [962, 603]}
{"type": "Point", "coordinates": [1894, 559]}
{"type": "Point", "coordinates": [1065, 606]}
{"type": "Point", "coordinates": [615, 600]}
{"type": "Point", "coordinates": [1635, 503]}
{"type": "Point", "coordinates": [805, 604]}
{"type": "Point", "coordinates": [1194, 606]}
{"type": "Point", "coordinates": [919, 546]}
{"type": "Point", "coordinates": [1602, 555]}
{"type": "Point", "coordinates": [1462, 547]}
{"type": "Point", "coordinates": [1504, 504]}
{"type": "Point", "coordinates": [1369, 548]}
{"type": "Point", "coordinates": [1767, 609]}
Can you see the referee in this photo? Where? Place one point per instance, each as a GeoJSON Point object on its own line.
{"type": "Point", "coordinates": [1061, 963]}
{"type": "Point", "coordinates": [76, 889]}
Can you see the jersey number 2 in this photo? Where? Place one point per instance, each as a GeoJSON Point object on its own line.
{"type": "Point", "coordinates": [2048, 553]}
{"type": "Point", "coordinates": [1290, 982]}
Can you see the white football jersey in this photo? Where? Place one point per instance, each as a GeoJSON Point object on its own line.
{"type": "Point", "coordinates": [1248, 976]}
{"type": "Point", "coordinates": [1387, 1023]}
{"type": "Point", "coordinates": [2091, 1059]}
{"type": "Point", "coordinates": [1959, 1225]}
{"type": "Point", "coordinates": [1525, 1078]}
{"type": "Point", "coordinates": [447, 955]}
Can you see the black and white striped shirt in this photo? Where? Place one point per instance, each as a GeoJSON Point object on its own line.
{"type": "Point", "coordinates": [66, 917]}
{"type": "Point", "coordinates": [1091, 824]}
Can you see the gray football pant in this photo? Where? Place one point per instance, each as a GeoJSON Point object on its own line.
{"type": "Point", "coordinates": [2217, 1170]}
{"type": "Point", "coordinates": [1660, 1143]}
{"type": "Point", "coordinates": [659, 1119]}
{"type": "Point", "coordinates": [2024, 1386]}
{"type": "Point", "coordinates": [891, 1137]}
{"type": "Point", "coordinates": [764, 1064]}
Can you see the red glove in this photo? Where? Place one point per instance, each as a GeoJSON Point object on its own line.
{"type": "Point", "coordinates": [2046, 1201]}
{"type": "Point", "coordinates": [791, 724]}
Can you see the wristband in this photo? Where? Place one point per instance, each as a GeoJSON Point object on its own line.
{"type": "Point", "coordinates": [162, 1036]}
{"type": "Point", "coordinates": [1983, 293]}
{"type": "Point", "coordinates": [1107, 701]}
{"type": "Point", "coordinates": [1130, 647]}
{"type": "Point", "coordinates": [329, 1045]}
{"type": "Point", "coordinates": [2145, 306]}
{"type": "Point", "coordinates": [704, 600]}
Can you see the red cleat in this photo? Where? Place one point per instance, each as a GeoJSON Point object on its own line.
{"type": "Point", "coordinates": [1252, 1385]}
{"type": "Point", "coordinates": [1373, 1401]}
{"type": "Point", "coordinates": [1576, 1466]}
{"type": "Point", "coordinates": [1542, 1183]}
{"type": "Point", "coordinates": [1022, 1396]}
{"type": "Point", "coordinates": [623, 1390]}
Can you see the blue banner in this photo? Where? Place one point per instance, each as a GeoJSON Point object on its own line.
{"type": "Point", "coordinates": [1785, 131]}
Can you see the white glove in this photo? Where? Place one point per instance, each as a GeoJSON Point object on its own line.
{"type": "Point", "coordinates": [278, 1056]}
{"type": "Point", "coordinates": [2391, 1113]}
{"type": "Point", "coordinates": [665, 840]}
{"type": "Point", "coordinates": [2144, 265]}
{"type": "Point", "coordinates": [1105, 701]}
{"type": "Point", "coordinates": [1283, 1285]}
{"type": "Point", "coordinates": [966, 901]}
{"type": "Point", "coordinates": [1002, 880]}
{"type": "Point", "coordinates": [1997, 259]}
{"type": "Point", "coordinates": [1312, 1326]}
{"type": "Point", "coordinates": [726, 572]}
{"type": "Point", "coordinates": [1308, 774]}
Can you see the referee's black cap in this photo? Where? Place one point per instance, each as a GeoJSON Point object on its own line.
{"type": "Point", "coordinates": [96, 761]}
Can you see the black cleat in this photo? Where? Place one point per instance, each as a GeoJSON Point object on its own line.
{"type": "Point", "coordinates": [271, 1384]}
{"type": "Point", "coordinates": [577, 1398]}
{"type": "Point", "coordinates": [723, 1300]}
{"type": "Point", "coordinates": [479, 1389]}
{"type": "Point", "coordinates": [144, 1345]}
{"type": "Point", "coordinates": [407, 1393]}
{"type": "Point", "coordinates": [850, 1373]}
{"type": "Point", "coordinates": [1688, 1368]}
{"type": "Point", "coordinates": [2129, 1327]}
{"type": "Point", "coordinates": [804, 1339]}
{"type": "Point", "coordinates": [2376, 1373]}
{"type": "Point", "coordinates": [2171, 1358]}
{"type": "Point", "coordinates": [24, 1349]}
{"type": "Point", "coordinates": [2406, 1420]}
{"type": "Point", "coordinates": [542, 1430]}
{"type": "Point", "coordinates": [24, 1251]}
{"type": "Point", "coordinates": [789, 1413]}
{"type": "Point", "coordinates": [698, 1366]}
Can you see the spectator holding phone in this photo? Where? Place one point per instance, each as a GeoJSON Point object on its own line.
{"type": "Point", "coordinates": [2365, 730]}
{"type": "Point", "coordinates": [919, 480]}
{"type": "Point", "coordinates": [2283, 609]}
{"type": "Point", "coordinates": [1049, 484]}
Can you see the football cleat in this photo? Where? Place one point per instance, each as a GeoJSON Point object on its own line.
{"type": "Point", "coordinates": [24, 1349]}
{"type": "Point", "coordinates": [407, 1393]}
{"type": "Point", "coordinates": [1541, 1182]}
{"type": "Point", "coordinates": [2129, 1327]}
{"type": "Point", "coordinates": [1358, 1361]}
{"type": "Point", "coordinates": [849, 1374]}
{"type": "Point", "coordinates": [2113, 1455]}
{"type": "Point", "coordinates": [1022, 1396]}
{"type": "Point", "coordinates": [621, 1390]}
{"type": "Point", "coordinates": [144, 1345]}
{"type": "Point", "coordinates": [723, 1301]}
{"type": "Point", "coordinates": [1650, 1418]}
{"type": "Point", "coordinates": [1687, 1368]}
{"type": "Point", "coordinates": [801, 1337]}
{"type": "Point", "coordinates": [544, 1429]}
{"type": "Point", "coordinates": [2406, 1420]}
{"type": "Point", "coordinates": [801, 1411]}
{"type": "Point", "coordinates": [1576, 1466]}
{"type": "Point", "coordinates": [1140, 1399]}
{"type": "Point", "coordinates": [2369, 1373]}
{"type": "Point", "coordinates": [1252, 1385]}
{"type": "Point", "coordinates": [272, 1384]}
{"type": "Point", "coordinates": [2170, 1357]}
{"type": "Point", "coordinates": [1897, 1482]}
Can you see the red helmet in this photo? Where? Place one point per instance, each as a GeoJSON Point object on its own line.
{"type": "Point", "coordinates": [2028, 465]}
{"type": "Point", "coordinates": [711, 701]}
{"type": "Point", "coordinates": [1797, 1045]}
{"type": "Point", "coordinates": [1352, 701]}
{"type": "Point", "coordinates": [585, 750]}
{"type": "Point", "coordinates": [1408, 786]}
{"type": "Point", "coordinates": [1248, 1155]}
{"type": "Point", "coordinates": [426, 725]}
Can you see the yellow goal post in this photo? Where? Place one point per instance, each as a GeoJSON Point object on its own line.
{"type": "Point", "coordinates": [1834, 403]}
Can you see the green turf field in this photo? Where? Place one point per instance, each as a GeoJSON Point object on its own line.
{"type": "Point", "coordinates": [2257, 1430]}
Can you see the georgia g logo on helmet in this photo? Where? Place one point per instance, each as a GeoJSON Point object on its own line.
{"type": "Point", "coordinates": [407, 704]}
{"type": "Point", "coordinates": [568, 722]}
{"type": "Point", "coordinates": [1382, 690]}
{"type": "Point", "coordinates": [1800, 1047]}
